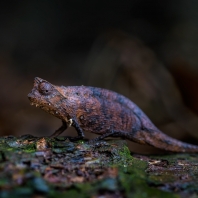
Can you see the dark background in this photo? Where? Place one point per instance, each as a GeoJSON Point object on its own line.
{"type": "Point", "coordinates": [55, 39]}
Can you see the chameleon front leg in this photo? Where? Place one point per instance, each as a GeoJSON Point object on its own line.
{"type": "Point", "coordinates": [78, 129]}
{"type": "Point", "coordinates": [60, 130]}
{"type": "Point", "coordinates": [71, 122]}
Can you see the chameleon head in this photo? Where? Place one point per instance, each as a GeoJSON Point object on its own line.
{"type": "Point", "coordinates": [45, 96]}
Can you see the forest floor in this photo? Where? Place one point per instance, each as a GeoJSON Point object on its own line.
{"type": "Point", "coordinates": [43, 167]}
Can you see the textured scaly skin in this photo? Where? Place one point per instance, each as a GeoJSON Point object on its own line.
{"type": "Point", "coordinates": [103, 112]}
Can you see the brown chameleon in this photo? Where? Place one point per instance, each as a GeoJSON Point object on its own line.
{"type": "Point", "coordinates": [103, 112]}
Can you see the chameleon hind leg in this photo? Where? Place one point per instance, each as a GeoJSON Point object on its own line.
{"type": "Point", "coordinates": [109, 134]}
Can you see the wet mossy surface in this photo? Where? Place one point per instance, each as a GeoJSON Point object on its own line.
{"type": "Point", "coordinates": [31, 166]}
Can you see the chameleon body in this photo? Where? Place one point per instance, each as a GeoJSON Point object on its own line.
{"type": "Point", "coordinates": [101, 111]}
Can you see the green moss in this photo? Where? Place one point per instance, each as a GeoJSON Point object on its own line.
{"type": "Point", "coordinates": [171, 158]}
{"type": "Point", "coordinates": [125, 155]}
{"type": "Point", "coordinates": [73, 193]}
{"type": "Point", "coordinates": [133, 180]}
{"type": "Point", "coordinates": [3, 182]}
{"type": "Point", "coordinates": [161, 178]}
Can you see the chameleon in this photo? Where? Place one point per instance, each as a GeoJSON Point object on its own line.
{"type": "Point", "coordinates": [103, 112]}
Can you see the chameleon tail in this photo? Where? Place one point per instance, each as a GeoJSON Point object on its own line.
{"type": "Point", "coordinates": [162, 141]}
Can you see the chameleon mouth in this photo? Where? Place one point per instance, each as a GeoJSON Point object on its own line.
{"type": "Point", "coordinates": [37, 105]}
{"type": "Point", "coordinates": [46, 107]}
{"type": "Point", "coordinates": [33, 99]}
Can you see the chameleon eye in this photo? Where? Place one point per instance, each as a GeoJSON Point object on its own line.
{"type": "Point", "coordinates": [45, 88]}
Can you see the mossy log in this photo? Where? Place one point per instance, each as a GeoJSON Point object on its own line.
{"type": "Point", "coordinates": [31, 166]}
